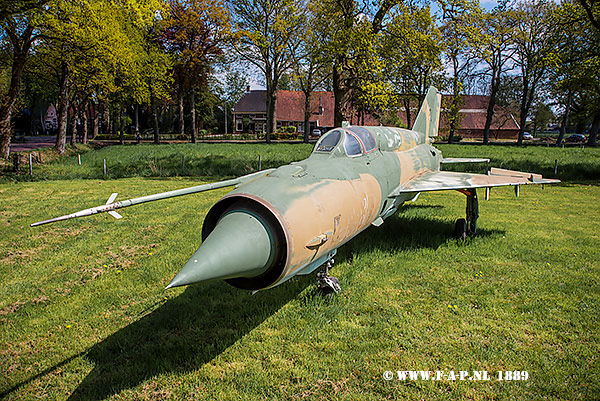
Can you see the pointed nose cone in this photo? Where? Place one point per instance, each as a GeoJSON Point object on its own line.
{"type": "Point", "coordinates": [239, 246]}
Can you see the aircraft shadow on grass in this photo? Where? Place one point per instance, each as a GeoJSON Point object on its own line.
{"type": "Point", "coordinates": [195, 327]}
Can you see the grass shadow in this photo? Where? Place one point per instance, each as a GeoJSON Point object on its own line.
{"type": "Point", "coordinates": [192, 329]}
{"type": "Point", "coordinates": [406, 230]}
{"type": "Point", "coordinates": [182, 335]}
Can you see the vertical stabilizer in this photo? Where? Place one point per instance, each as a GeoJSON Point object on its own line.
{"type": "Point", "coordinates": [428, 119]}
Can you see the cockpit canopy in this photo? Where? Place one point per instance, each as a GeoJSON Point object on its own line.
{"type": "Point", "coordinates": [353, 141]}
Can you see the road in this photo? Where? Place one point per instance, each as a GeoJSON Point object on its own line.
{"type": "Point", "coordinates": [33, 142]}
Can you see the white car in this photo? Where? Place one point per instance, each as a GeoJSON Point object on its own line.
{"type": "Point", "coordinates": [527, 136]}
{"type": "Point", "coordinates": [316, 132]}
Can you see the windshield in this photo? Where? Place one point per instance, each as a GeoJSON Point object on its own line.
{"type": "Point", "coordinates": [352, 145]}
{"type": "Point", "coordinates": [366, 138]}
{"type": "Point", "coordinates": [328, 142]}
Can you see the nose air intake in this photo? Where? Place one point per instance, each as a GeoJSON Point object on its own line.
{"type": "Point", "coordinates": [243, 247]}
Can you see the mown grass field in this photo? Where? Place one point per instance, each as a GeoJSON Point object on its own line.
{"type": "Point", "coordinates": [84, 314]}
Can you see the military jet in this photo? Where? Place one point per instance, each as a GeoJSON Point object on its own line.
{"type": "Point", "coordinates": [289, 221]}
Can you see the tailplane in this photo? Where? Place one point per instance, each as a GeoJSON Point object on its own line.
{"type": "Point", "coordinates": [428, 119]}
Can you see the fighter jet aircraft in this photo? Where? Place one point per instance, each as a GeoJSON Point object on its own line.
{"type": "Point", "coordinates": [290, 221]}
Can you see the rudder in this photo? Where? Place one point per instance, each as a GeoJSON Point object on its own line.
{"type": "Point", "coordinates": [428, 119]}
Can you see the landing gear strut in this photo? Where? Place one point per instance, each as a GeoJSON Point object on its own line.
{"type": "Point", "coordinates": [327, 284]}
{"type": "Point", "coordinates": [468, 226]}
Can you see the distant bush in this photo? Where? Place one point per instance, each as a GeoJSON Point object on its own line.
{"type": "Point", "coordinates": [290, 129]}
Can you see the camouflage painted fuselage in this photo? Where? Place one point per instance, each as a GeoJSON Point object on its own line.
{"type": "Point", "coordinates": [322, 202]}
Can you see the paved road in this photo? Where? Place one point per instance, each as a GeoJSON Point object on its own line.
{"type": "Point", "coordinates": [33, 142]}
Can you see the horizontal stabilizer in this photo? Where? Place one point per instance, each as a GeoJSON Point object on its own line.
{"type": "Point", "coordinates": [446, 180]}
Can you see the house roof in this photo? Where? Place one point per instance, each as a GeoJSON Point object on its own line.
{"type": "Point", "coordinates": [290, 106]}
{"type": "Point", "coordinates": [252, 102]}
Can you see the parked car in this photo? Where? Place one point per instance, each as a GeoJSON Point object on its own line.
{"type": "Point", "coordinates": [575, 138]}
{"type": "Point", "coordinates": [316, 132]}
{"type": "Point", "coordinates": [527, 136]}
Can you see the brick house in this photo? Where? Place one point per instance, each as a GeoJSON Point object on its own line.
{"type": "Point", "coordinates": [250, 114]}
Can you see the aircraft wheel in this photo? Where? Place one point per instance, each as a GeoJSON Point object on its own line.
{"type": "Point", "coordinates": [460, 229]}
{"type": "Point", "coordinates": [332, 287]}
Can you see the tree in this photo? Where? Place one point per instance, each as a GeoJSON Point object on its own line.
{"type": "Point", "coordinates": [532, 39]}
{"type": "Point", "coordinates": [9, 8]}
{"type": "Point", "coordinates": [575, 62]}
{"type": "Point", "coordinates": [98, 46]}
{"type": "Point", "coordinates": [493, 45]}
{"type": "Point", "coordinates": [267, 34]}
{"type": "Point", "coordinates": [458, 52]}
{"type": "Point", "coordinates": [351, 32]}
{"type": "Point", "coordinates": [412, 52]}
{"type": "Point", "coordinates": [310, 68]}
{"type": "Point", "coordinates": [19, 32]}
{"type": "Point", "coordinates": [542, 115]}
{"type": "Point", "coordinates": [194, 33]}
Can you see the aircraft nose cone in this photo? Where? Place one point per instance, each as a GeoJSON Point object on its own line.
{"type": "Point", "coordinates": [239, 246]}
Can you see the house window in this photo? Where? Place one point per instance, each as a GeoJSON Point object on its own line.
{"type": "Point", "coordinates": [239, 126]}
{"type": "Point", "coordinates": [278, 124]}
{"type": "Point", "coordinates": [300, 127]}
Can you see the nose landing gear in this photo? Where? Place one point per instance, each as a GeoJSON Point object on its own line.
{"type": "Point", "coordinates": [467, 227]}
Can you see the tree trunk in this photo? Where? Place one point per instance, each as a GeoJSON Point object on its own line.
{"type": "Point", "coordinates": [96, 120]}
{"type": "Point", "coordinates": [271, 121]}
{"type": "Point", "coordinates": [406, 102]}
{"type": "Point", "coordinates": [84, 122]}
{"type": "Point", "coordinates": [565, 121]}
{"type": "Point", "coordinates": [338, 96]}
{"type": "Point", "coordinates": [490, 110]}
{"type": "Point", "coordinates": [63, 109]}
{"type": "Point", "coordinates": [271, 99]}
{"type": "Point", "coordinates": [72, 124]}
{"type": "Point", "coordinates": [106, 117]}
{"type": "Point", "coordinates": [121, 130]}
{"type": "Point", "coordinates": [5, 128]}
{"type": "Point", "coordinates": [306, 115]}
{"type": "Point", "coordinates": [594, 130]}
{"type": "Point", "coordinates": [193, 106]}
{"type": "Point", "coordinates": [181, 113]}
{"type": "Point", "coordinates": [155, 118]}
{"type": "Point", "coordinates": [136, 111]}
{"type": "Point", "coordinates": [524, 108]}
{"type": "Point", "coordinates": [20, 50]}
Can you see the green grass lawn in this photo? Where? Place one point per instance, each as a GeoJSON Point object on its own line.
{"type": "Point", "coordinates": [84, 314]}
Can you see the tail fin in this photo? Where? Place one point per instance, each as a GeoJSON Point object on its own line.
{"type": "Point", "coordinates": [428, 119]}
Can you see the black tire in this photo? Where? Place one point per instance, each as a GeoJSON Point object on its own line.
{"type": "Point", "coordinates": [460, 229]}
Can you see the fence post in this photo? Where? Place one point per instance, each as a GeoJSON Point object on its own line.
{"type": "Point", "coordinates": [259, 163]}
{"type": "Point", "coordinates": [182, 163]}
{"type": "Point", "coordinates": [30, 164]}
{"type": "Point", "coordinates": [79, 158]}
{"type": "Point", "coordinates": [555, 167]}
{"type": "Point", "coordinates": [104, 168]}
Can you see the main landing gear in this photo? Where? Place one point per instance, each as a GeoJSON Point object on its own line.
{"type": "Point", "coordinates": [466, 227]}
{"type": "Point", "coordinates": [327, 284]}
